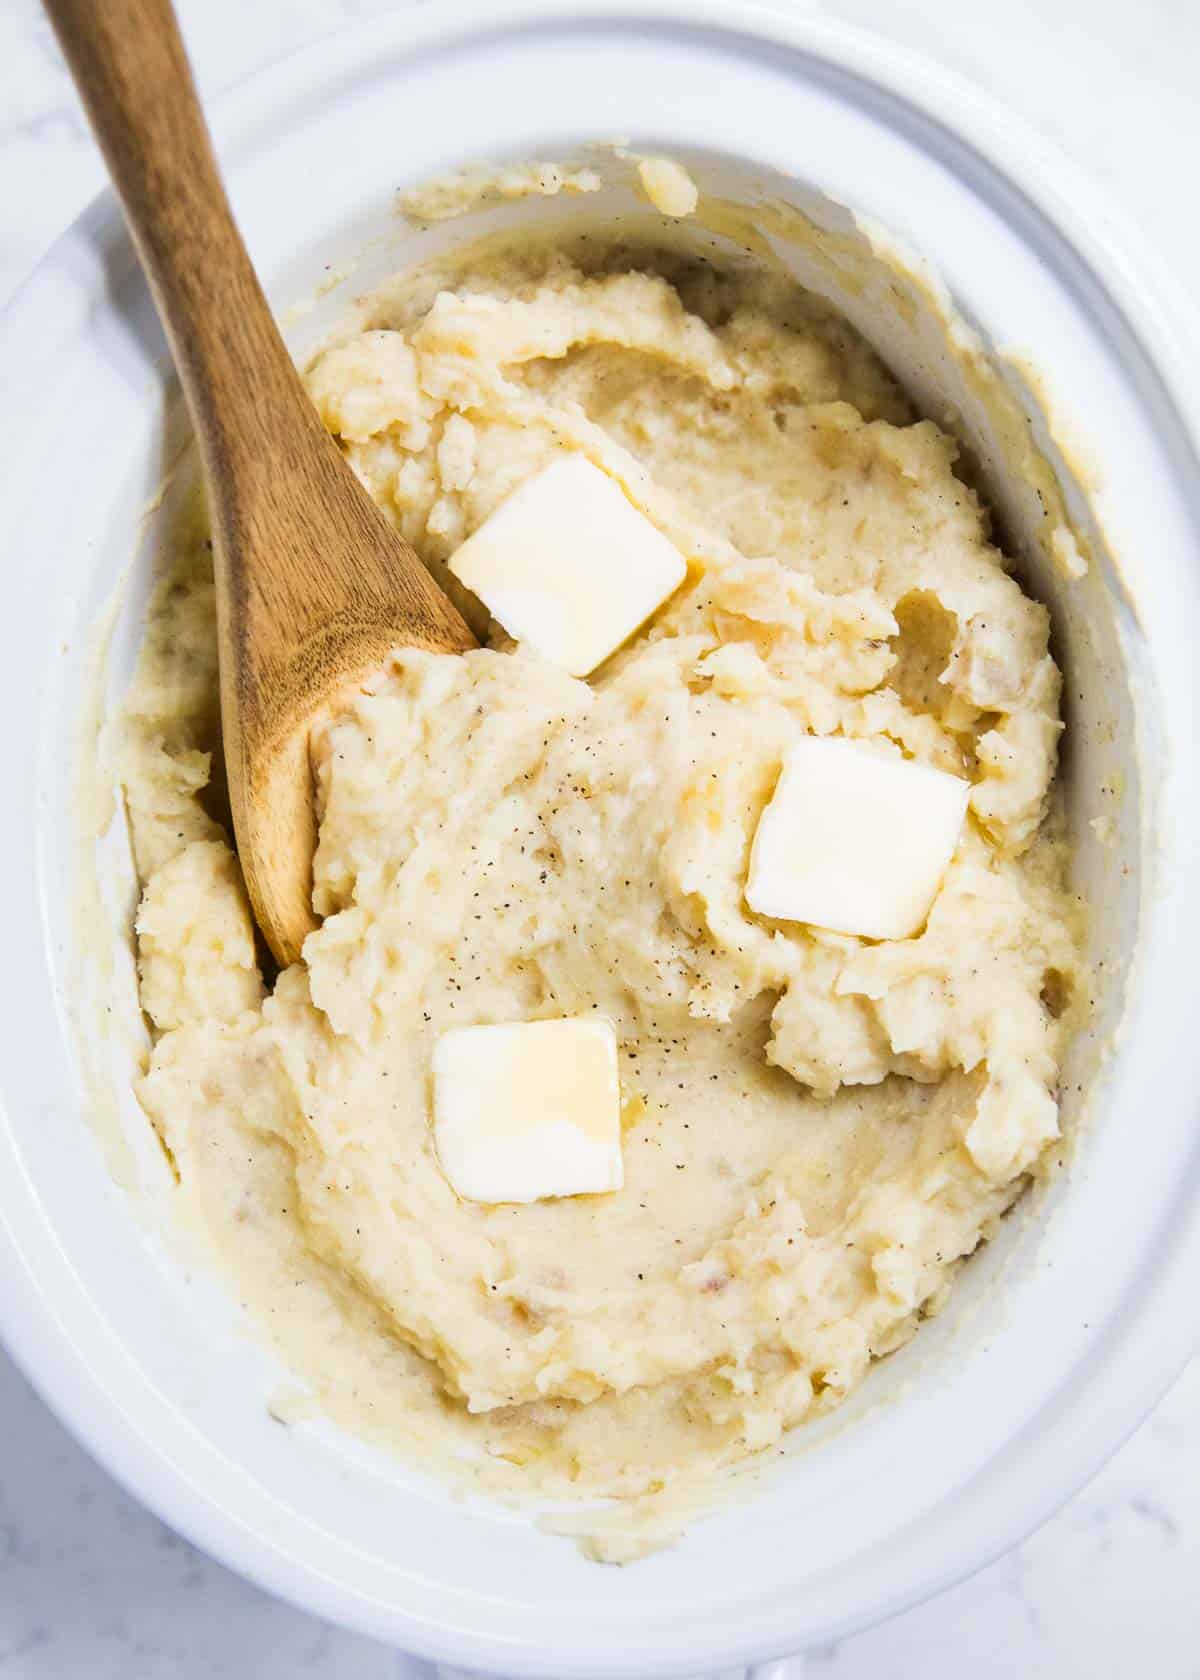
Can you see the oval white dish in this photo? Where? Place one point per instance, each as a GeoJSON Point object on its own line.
{"type": "Point", "coordinates": [1021, 1396]}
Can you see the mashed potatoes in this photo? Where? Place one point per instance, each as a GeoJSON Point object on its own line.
{"type": "Point", "coordinates": [816, 1128]}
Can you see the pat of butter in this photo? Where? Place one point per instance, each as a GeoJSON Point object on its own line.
{"type": "Point", "coordinates": [668, 186]}
{"type": "Point", "coordinates": [854, 841]}
{"type": "Point", "coordinates": [569, 565]}
{"type": "Point", "coordinates": [528, 1110]}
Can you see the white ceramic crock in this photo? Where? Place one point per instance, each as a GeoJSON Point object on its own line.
{"type": "Point", "coordinates": [1073, 1321]}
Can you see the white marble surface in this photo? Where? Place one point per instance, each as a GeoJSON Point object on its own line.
{"type": "Point", "coordinates": [90, 1585]}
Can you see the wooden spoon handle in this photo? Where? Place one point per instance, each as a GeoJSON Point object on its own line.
{"type": "Point", "coordinates": [129, 64]}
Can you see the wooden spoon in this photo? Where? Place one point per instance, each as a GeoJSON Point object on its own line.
{"type": "Point", "coordinates": [314, 587]}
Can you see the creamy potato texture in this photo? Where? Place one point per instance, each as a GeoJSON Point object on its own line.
{"type": "Point", "coordinates": [817, 1129]}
